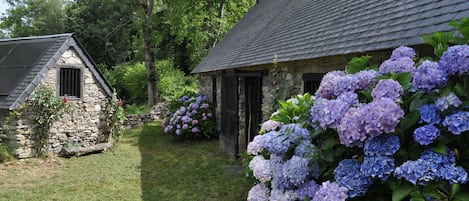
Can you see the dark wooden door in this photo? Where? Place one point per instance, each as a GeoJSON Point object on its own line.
{"type": "Point", "coordinates": [253, 99]}
{"type": "Point", "coordinates": [229, 114]}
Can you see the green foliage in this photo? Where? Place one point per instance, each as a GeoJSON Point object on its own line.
{"type": "Point", "coordinates": [294, 110]}
{"type": "Point", "coordinates": [440, 41]}
{"type": "Point", "coordinates": [136, 109]}
{"type": "Point", "coordinates": [47, 109]}
{"type": "Point", "coordinates": [172, 82]}
{"type": "Point", "coordinates": [358, 64]}
{"type": "Point", "coordinates": [34, 17]}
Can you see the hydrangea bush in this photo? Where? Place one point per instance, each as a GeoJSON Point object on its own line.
{"type": "Point", "coordinates": [190, 116]}
{"type": "Point", "coordinates": [396, 132]}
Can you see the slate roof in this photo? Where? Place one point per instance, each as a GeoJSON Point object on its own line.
{"type": "Point", "coordinates": [306, 29]}
{"type": "Point", "coordinates": [24, 62]}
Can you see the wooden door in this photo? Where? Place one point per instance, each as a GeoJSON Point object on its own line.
{"type": "Point", "coordinates": [229, 114]}
{"type": "Point", "coordinates": [253, 115]}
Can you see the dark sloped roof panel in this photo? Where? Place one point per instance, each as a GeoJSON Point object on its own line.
{"type": "Point", "coordinates": [306, 29]}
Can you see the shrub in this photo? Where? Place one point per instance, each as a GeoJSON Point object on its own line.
{"type": "Point", "coordinates": [130, 80]}
{"type": "Point", "coordinates": [191, 117]}
{"type": "Point", "coordinates": [391, 133]}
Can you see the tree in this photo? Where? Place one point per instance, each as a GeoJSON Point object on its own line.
{"type": "Point", "coordinates": [34, 17]}
{"type": "Point", "coordinates": [105, 27]}
{"type": "Point", "coordinates": [152, 77]}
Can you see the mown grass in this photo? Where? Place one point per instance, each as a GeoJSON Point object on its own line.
{"type": "Point", "coordinates": [147, 165]}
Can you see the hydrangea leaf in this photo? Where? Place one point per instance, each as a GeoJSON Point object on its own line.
{"type": "Point", "coordinates": [460, 91]}
{"type": "Point", "coordinates": [401, 192]}
{"type": "Point", "coordinates": [439, 148]}
{"type": "Point", "coordinates": [405, 79]}
{"type": "Point", "coordinates": [461, 196]}
{"type": "Point", "coordinates": [417, 196]}
{"type": "Point", "coordinates": [329, 143]}
{"type": "Point", "coordinates": [454, 189]}
{"type": "Point", "coordinates": [409, 120]}
{"type": "Point", "coordinates": [357, 64]}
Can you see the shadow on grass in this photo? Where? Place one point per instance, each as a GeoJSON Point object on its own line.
{"type": "Point", "coordinates": [176, 169]}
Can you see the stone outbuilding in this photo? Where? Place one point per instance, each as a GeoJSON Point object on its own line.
{"type": "Point", "coordinates": [282, 48]}
{"type": "Point", "coordinates": [62, 64]}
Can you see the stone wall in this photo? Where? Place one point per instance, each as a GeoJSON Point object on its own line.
{"type": "Point", "coordinates": [157, 112]}
{"type": "Point", "coordinates": [83, 126]}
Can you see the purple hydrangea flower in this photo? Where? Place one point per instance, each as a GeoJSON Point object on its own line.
{"type": "Point", "coordinates": [257, 144]}
{"type": "Point", "coordinates": [377, 167]}
{"type": "Point", "coordinates": [178, 132]}
{"type": "Point", "coordinates": [184, 98]}
{"type": "Point", "coordinates": [398, 65]}
{"type": "Point", "coordinates": [444, 102]}
{"type": "Point", "coordinates": [186, 119]}
{"type": "Point", "coordinates": [383, 145]}
{"type": "Point", "coordinates": [194, 106]}
{"type": "Point", "coordinates": [195, 130]}
{"type": "Point", "coordinates": [403, 51]}
{"type": "Point", "coordinates": [429, 114]}
{"type": "Point", "coordinates": [351, 127]}
{"type": "Point", "coordinates": [204, 105]}
{"type": "Point", "coordinates": [261, 168]}
{"type": "Point", "coordinates": [455, 61]}
{"type": "Point", "coordinates": [330, 191]}
{"type": "Point", "coordinates": [182, 109]}
{"type": "Point", "coordinates": [326, 87]}
{"type": "Point", "coordinates": [185, 126]}
{"type": "Point", "coordinates": [259, 192]}
{"type": "Point", "coordinates": [195, 122]}
{"type": "Point", "coordinates": [350, 97]}
{"type": "Point", "coordinates": [209, 115]}
{"type": "Point", "coordinates": [457, 122]}
{"type": "Point", "coordinates": [388, 89]}
{"type": "Point", "coordinates": [307, 190]}
{"type": "Point", "coordinates": [368, 121]}
{"type": "Point", "coordinates": [425, 135]}
{"type": "Point", "coordinates": [328, 112]}
{"type": "Point", "coordinates": [270, 125]}
{"type": "Point", "coordinates": [366, 79]}
{"type": "Point", "coordinates": [344, 84]}
{"type": "Point", "coordinates": [429, 76]}
{"type": "Point", "coordinates": [348, 174]}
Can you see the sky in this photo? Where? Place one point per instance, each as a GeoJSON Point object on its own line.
{"type": "Point", "coordinates": [3, 6]}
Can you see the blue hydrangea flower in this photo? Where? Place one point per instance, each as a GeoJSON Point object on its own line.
{"type": "Point", "coordinates": [295, 132]}
{"type": "Point", "coordinates": [283, 195]}
{"type": "Point", "coordinates": [455, 61]}
{"type": "Point", "coordinates": [416, 172]}
{"type": "Point", "coordinates": [457, 122]}
{"type": "Point", "coordinates": [366, 79]}
{"type": "Point", "coordinates": [278, 143]}
{"type": "Point", "coordinates": [344, 84]}
{"type": "Point", "coordinates": [304, 149]}
{"type": "Point", "coordinates": [429, 114]}
{"type": "Point", "coordinates": [383, 145]}
{"type": "Point", "coordinates": [454, 175]}
{"type": "Point", "coordinates": [330, 191]}
{"type": "Point", "coordinates": [348, 174]}
{"type": "Point", "coordinates": [398, 65]}
{"type": "Point", "coordinates": [432, 166]}
{"type": "Point", "coordinates": [388, 89]}
{"type": "Point", "coordinates": [328, 113]}
{"type": "Point", "coordinates": [296, 170]}
{"type": "Point", "coordinates": [429, 76]}
{"type": "Point", "coordinates": [326, 87]}
{"type": "Point", "coordinates": [261, 168]}
{"type": "Point", "coordinates": [258, 144]}
{"type": "Point", "coordinates": [444, 102]}
{"type": "Point", "coordinates": [307, 190]}
{"type": "Point", "coordinates": [403, 51]}
{"type": "Point", "coordinates": [425, 135]}
{"type": "Point", "coordinates": [259, 192]}
{"type": "Point", "coordinates": [377, 167]}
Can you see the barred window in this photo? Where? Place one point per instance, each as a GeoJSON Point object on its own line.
{"type": "Point", "coordinates": [70, 82]}
{"type": "Point", "coordinates": [312, 82]}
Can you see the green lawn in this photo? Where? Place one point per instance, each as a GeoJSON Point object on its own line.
{"type": "Point", "coordinates": [147, 165]}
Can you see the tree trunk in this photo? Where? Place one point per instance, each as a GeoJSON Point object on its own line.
{"type": "Point", "coordinates": [221, 13]}
{"type": "Point", "coordinates": [152, 77]}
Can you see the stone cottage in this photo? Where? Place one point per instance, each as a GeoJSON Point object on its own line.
{"type": "Point", "coordinates": [60, 63]}
{"type": "Point", "coordinates": [291, 44]}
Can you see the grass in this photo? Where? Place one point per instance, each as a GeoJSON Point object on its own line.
{"type": "Point", "coordinates": [147, 165]}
